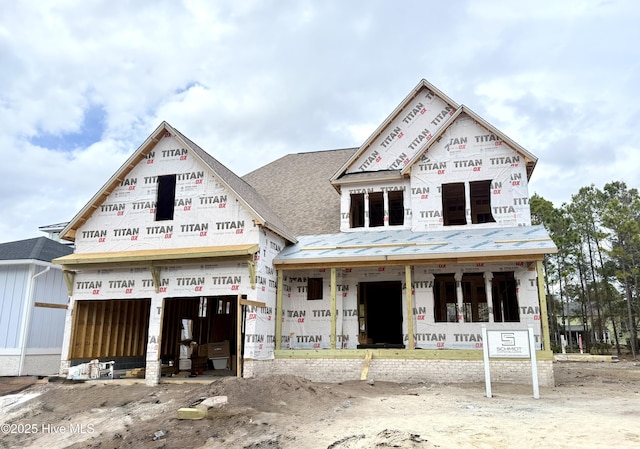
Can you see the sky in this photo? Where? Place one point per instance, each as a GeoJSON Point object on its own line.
{"type": "Point", "coordinates": [84, 82]}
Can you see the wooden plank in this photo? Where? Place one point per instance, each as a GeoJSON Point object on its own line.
{"type": "Point", "coordinates": [123, 327]}
{"type": "Point", "coordinates": [83, 329]}
{"type": "Point", "coordinates": [248, 302]}
{"type": "Point", "coordinates": [365, 365]}
{"type": "Point", "coordinates": [333, 287]}
{"type": "Point", "coordinates": [107, 329]}
{"type": "Point", "coordinates": [74, 321]}
{"type": "Point", "coordinates": [99, 330]}
{"type": "Point", "coordinates": [278, 312]}
{"type": "Point", "coordinates": [50, 305]}
{"type": "Point", "coordinates": [115, 329]}
{"type": "Point", "coordinates": [91, 325]}
{"type": "Point", "coordinates": [409, 293]}
{"type": "Point", "coordinates": [239, 320]}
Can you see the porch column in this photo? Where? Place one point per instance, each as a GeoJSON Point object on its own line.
{"type": "Point", "coordinates": [488, 277]}
{"type": "Point", "coordinates": [544, 318]}
{"type": "Point", "coordinates": [409, 291]}
{"type": "Point", "coordinates": [153, 365]}
{"type": "Point", "coordinates": [459, 296]}
{"type": "Point", "coordinates": [278, 314]}
{"type": "Point", "coordinates": [334, 312]}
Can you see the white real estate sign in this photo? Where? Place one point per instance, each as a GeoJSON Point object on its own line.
{"type": "Point", "coordinates": [510, 344]}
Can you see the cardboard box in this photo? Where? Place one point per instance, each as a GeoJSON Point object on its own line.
{"type": "Point", "coordinates": [218, 349]}
{"type": "Point", "coordinates": [199, 362]}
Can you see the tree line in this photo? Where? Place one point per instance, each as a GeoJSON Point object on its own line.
{"type": "Point", "coordinates": [593, 278]}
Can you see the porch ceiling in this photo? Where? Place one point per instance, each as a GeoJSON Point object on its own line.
{"type": "Point", "coordinates": [521, 243]}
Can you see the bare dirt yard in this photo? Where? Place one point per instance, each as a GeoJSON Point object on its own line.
{"type": "Point", "coordinates": [593, 405]}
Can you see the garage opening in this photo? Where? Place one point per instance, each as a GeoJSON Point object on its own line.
{"type": "Point", "coordinates": [380, 314]}
{"type": "Point", "coordinates": [199, 334]}
{"type": "Point", "coordinates": [114, 329]}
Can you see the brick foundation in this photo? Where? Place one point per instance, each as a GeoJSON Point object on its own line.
{"type": "Point", "coordinates": [399, 370]}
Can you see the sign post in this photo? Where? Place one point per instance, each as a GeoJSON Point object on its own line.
{"type": "Point", "coordinates": [509, 344]}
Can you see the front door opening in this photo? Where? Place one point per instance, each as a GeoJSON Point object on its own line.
{"type": "Point", "coordinates": [380, 314]}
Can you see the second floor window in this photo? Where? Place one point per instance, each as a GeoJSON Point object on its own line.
{"type": "Point", "coordinates": [375, 209]}
{"type": "Point", "coordinates": [454, 203]}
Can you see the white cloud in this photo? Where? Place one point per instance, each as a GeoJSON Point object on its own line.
{"type": "Point", "coordinates": [251, 81]}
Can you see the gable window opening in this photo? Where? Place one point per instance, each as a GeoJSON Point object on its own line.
{"type": "Point", "coordinates": [454, 203]}
{"type": "Point", "coordinates": [381, 209]}
{"type": "Point", "coordinates": [480, 195]}
{"type": "Point", "coordinates": [166, 197]}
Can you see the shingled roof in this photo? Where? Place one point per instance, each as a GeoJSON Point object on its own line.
{"type": "Point", "coordinates": [39, 248]}
{"type": "Point", "coordinates": [297, 188]}
{"type": "Point", "coordinates": [246, 192]}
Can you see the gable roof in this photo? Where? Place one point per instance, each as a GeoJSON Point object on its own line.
{"type": "Point", "coordinates": [423, 84]}
{"type": "Point", "coordinates": [297, 188]}
{"type": "Point", "coordinates": [530, 159]}
{"type": "Point", "coordinates": [341, 176]}
{"type": "Point", "coordinates": [39, 248]}
{"type": "Point", "coordinates": [246, 194]}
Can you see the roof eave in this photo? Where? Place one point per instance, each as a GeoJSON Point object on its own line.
{"type": "Point", "coordinates": [525, 255]}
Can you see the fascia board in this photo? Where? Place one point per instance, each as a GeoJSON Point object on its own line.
{"type": "Point", "coordinates": [123, 257]}
{"type": "Point", "coordinates": [259, 219]}
{"type": "Point", "coordinates": [399, 259]}
{"type": "Point", "coordinates": [529, 157]}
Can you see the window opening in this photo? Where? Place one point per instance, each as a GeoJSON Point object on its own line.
{"type": "Point", "coordinates": [475, 307]}
{"type": "Point", "coordinates": [396, 207]}
{"type": "Point", "coordinates": [166, 197]}
{"type": "Point", "coordinates": [356, 212]}
{"type": "Point", "coordinates": [505, 299]}
{"type": "Point", "coordinates": [376, 209]}
{"type": "Point", "coordinates": [314, 288]}
{"type": "Point", "coordinates": [453, 204]}
{"type": "Point", "coordinates": [445, 300]}
{"type": "Point", "coordinates": [480, 193]}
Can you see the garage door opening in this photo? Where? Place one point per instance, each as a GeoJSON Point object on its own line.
{"type": "Point", "coordinates": [114, 329]}
{"type": "Point", "coordinates": [380, 314]}
{"type": "Point", "coordinates": [207, 322]}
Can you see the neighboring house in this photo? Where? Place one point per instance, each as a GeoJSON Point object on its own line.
{"type": "Point", "coordinates": [33, 304]}
{"type": "Point", "coordinates": [397, 252]}
{"type": "Point", "coordinates": [53, 232]}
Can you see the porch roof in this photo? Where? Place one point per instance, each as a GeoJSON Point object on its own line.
{"type": "Point", "coordinates": [519, 243]}
{"type": "Point", "coordinates": [156, 255]}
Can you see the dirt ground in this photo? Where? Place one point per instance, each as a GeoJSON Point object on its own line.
{"type": "Point", "coordinates": [593, 405]}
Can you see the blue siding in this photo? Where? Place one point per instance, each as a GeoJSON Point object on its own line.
{"type": "Point", "coordinates": [47, 324]}
{"type": "Point", "coordinates": [13, 290]}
